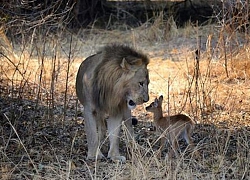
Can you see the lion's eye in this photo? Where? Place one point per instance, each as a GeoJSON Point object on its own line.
{"type": "Point", "coordinates": [141, 83]}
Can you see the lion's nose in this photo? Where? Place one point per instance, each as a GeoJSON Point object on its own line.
{"type": "Point", "coordinates": [131, 103]}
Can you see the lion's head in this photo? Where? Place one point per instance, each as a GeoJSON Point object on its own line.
{"type": "Point", "coordinates": [137, 88]}
{"type": "Point", "coordinates": [121, 79]}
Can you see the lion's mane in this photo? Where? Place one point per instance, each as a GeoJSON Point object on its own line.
{"type": "Point", "coordinates": [110, 81]}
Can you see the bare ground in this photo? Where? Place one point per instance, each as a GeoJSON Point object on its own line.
{"type": "Point", "coordinates": [40, 142]}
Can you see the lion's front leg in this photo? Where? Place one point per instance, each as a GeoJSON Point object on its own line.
{"type": "Point", "coordinates": [114, 127]}
{"type": "Point", "coordinates": [93, 141]}
{"type": "Point", "coordinates": [127, 117]}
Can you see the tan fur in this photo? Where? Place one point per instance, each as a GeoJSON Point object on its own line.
{"type": "Point", "coordinates": [172, 127]}
{"type": "Point", "coordinates": [110, 84]}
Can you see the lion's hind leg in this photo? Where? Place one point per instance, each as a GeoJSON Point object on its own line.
{"type": "Point", "coordinates": [93, 141]}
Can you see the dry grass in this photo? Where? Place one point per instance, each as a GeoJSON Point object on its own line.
{"type": "Point", "coordinates": [42, 130]}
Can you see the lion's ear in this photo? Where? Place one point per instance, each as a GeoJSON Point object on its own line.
{"type": "Point", "coordinates": [127, 66]}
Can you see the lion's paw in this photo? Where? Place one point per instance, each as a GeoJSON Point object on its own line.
{"type": "Point", "coordinates": [93, 158]}
{"type": "Point", "coordinates": [121, 159]}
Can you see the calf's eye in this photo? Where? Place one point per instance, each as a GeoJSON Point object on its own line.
{"type": "Point", "coordinates": [140, 83]}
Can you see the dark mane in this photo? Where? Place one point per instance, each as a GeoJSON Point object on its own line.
{"type": "Point", "coordinates": [108, 73]}
{"type": "Point", "coordinates": [117, 52]}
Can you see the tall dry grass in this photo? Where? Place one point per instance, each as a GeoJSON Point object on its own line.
{"type": "Point", "coordinates": [42, 131]}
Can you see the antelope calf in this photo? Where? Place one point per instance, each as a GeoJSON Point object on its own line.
{"type": "Point", "coordinates": [171, 127]}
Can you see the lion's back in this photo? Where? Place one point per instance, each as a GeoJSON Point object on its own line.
{"type": "Point", "coordinates": [85, 76]}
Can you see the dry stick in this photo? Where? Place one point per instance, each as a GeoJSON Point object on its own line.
{"type": "Point", "coordinates": [197, 70]}
{"type": "Point", "coordinates": [21, 142]}
{"type": "Point", "coordinates": [246, 21]}
{"type": "Point", "coordinates": [12, 82]}
{"type": "Point", "coordinates": [195, 77]}
{"type": "Point", "coordinates": [67, 78]}
{"type": "Point", "coordinates": [24, 67]}
{"type": "Point", "coordinates": [205, 83]}
{"type": "Point", "coordinates": [25, 80]}
{"type": "Point", "coordinates": [168, 96]}
{"type": "Point", "coordinates": [40, 76]}
{"type": "Point", "coordinates": [223, 38]}
{"type": "Point", "coordinates": [52, 85]}
{"type": "Point", "coordinates": [188, 91]}
{"type": "Point", "coordinates": [225, 55]}
{"type": "Point", "coordinates": [76, 109]}
{"type": "Point", "coordinates": [70, 160]}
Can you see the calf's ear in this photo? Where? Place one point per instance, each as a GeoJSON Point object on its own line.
{"type": "Point", "coordinates": [156, 102]}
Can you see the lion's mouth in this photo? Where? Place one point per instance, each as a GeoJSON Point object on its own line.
{"type": "Point", "coordinates": [131, 104]}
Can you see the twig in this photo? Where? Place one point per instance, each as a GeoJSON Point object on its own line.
{"type": "Point", "coordinates": [21, 142]}
{"type": "Point", "coordinates": [67, 78]}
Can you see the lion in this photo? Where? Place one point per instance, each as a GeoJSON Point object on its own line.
{"type": "Point", "coordinates": [109, 84]}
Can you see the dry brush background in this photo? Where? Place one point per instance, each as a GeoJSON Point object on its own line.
{"type": "Point", "coordinates": [203, 71]}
